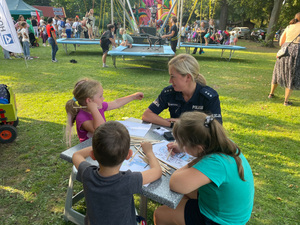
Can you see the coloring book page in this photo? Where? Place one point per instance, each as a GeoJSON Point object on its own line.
{"type": "Point", "coordinates": [136, 129]}
{"type": "Point", "coordinates": [135, 165]}
{"type": "Point", "coordinates": [177, 161]}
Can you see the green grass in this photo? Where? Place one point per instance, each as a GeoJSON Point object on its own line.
{"type": "Point", "coordinates": [34, 179]}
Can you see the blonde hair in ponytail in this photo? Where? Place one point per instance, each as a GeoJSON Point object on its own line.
{"type": "Point", "coordinates": [190, 131]}
{"type": "Point", "coordinates": [83, 89]}
{"type": "Point", "coordinates": [187, 64]}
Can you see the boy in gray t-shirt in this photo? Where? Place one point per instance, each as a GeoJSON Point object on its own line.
{"type": "Point", "coordinates": [109, 192]}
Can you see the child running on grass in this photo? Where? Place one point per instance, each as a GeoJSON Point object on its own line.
{"type": "Point", "coordinates": [89, 112]}
{"type": "Point", "coordinates": [108, 191]}
{"type": "Point", "coordinates": [218, 185]}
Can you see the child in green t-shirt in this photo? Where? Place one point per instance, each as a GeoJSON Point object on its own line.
{"type": "Point", "coordinates": [218, 185]}
{"type": "Point", "coordinates": [127, 39]}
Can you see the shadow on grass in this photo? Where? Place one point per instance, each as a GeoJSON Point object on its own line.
{"type": "Point", "coordinates": [160, 63]}
{"type": "Point", "coordinates": [84, 53]}
{"type": "Point", "coordinates": [273, 161]}
{"type": "Point", "coordinates": [33, 177]}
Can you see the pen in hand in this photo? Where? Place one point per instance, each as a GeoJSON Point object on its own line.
{"type": "Point", "coordinates": [135, 154]}
{"type": "Point", "coordinates": [169, 154]}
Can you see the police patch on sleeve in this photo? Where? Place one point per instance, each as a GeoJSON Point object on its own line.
{"type": "Point", "coordinates": [156, 102]}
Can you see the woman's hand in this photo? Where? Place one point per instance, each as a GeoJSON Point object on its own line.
{"type": "Point", "coordinates": [172, 120]}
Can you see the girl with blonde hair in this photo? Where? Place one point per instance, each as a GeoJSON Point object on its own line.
{"type": "Point", "coordinates": [90, 23]}
{"type": "Point", "coordinates": [87, 108]}
{"type": "Point", "coordinates": [127, 39]}
{"type": "Point", "coordinates": [188, 92]}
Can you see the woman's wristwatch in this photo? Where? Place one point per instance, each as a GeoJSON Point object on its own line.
{"type": "Point", "coordinates": [172, 124]}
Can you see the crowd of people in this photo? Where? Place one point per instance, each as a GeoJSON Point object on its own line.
{"type": "Point", "coordinates": [206, 34]}
{"type": "Point", "coordinates": [84, 28]}
{"type": "Point", "coordinates": [32, 29]}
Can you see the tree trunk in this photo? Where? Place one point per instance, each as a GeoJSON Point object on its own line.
{"type": "Point", "coordinates": [223, 15]}
{"type": "Point", "coordinates": [273, 22]}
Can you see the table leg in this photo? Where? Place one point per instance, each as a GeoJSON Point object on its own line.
{"type": "Point", "coordinates": [143, 206]}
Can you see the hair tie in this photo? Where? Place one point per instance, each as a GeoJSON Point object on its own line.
{"type": "Point", "coordinates": [79, 82]}
{"type": "Point", "coordinates": [208, 121]}
{"type": "Point", "coordinates": [74, 99]}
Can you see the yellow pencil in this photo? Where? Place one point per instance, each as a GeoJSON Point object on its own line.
{"type": "Point", "coordinates": [134, 154]}
{"type": "Point", "coordinates": [169, 154]}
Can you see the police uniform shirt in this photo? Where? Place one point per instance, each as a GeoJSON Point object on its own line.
{"type": "Point", "coordinates": [205, 99]}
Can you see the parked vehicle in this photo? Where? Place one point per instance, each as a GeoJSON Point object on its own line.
{"type": "Point", "coordinates": [258, 34]}
{"type": "Point", "coordinates": [242, 32]}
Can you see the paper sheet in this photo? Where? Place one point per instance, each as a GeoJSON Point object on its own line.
{"type": "Point", "coordinates": [136, 129]}
{"type": "Point", "coordinates": [179, 160]}
{"type": "Point", "coordinates": [136, 165]}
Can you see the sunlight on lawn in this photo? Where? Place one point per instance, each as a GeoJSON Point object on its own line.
{"type": "Point", "coordinates": [28, 196]}
{"type": "Point", "coordinates": [266, 131]}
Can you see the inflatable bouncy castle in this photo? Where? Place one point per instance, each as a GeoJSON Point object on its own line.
{"type": "Point", "coordinates": [142, 12]}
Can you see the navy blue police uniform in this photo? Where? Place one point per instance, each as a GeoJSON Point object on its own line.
{"type": "Point", "coordinates": [205, 99]}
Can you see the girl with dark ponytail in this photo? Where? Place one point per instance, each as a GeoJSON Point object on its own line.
{"type": "Point", "coordinates": [218, 185]}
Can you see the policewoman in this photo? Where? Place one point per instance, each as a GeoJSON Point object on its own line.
{"type": "Point", "coordinates": [188, 92]}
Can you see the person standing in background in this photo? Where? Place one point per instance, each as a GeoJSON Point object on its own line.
{"type": "Point", "coordinates": [173, 34]}
{"type": "Point", "coordinates": [287, 68]}
{"type": "Point", "coordinates": [52, 39]}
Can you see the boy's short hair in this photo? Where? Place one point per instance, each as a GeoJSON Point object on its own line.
{"type": "Point", "coordinates": [110, 26]}
{"type": "Point", "coordinates": [174, 18]}
{"type": "Point", "coordinates": [50, 19]}
{"type": "Point", "coordinates": [111, 143]}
